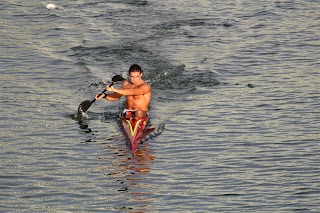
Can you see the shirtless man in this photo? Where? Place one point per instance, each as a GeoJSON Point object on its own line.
{"type": "Point", "coordinates": [136, 90]}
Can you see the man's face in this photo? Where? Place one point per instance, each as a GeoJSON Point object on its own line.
{"type": "Point", "coordinates": [135, 77]}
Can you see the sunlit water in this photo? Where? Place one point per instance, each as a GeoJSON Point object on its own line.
{"type": "Point", "coordinates": [235, 102]}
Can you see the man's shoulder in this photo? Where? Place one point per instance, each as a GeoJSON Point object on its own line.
{"type": "Point", "coordinates": [145, 84]}
{"type": "Point", "coordinates": [125, 83]}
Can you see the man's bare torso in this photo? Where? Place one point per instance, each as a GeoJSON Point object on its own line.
{"type": "Point", "coordinates": [137, 102]}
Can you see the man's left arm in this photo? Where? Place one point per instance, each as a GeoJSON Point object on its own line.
{"type": "Point", "coordinates": [143, 89]}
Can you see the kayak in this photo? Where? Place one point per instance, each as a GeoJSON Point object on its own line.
{"type": "Point", "coordinates": [134, 129]}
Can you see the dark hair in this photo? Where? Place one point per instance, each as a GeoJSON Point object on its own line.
{"type": "Point", "coordinates": [135, 68]}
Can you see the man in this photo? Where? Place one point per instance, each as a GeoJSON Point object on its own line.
{"type": "Point", "coordinates": [136, 90]}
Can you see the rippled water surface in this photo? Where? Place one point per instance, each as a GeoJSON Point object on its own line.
{"type": "Point", "coordinates": [235, 84]}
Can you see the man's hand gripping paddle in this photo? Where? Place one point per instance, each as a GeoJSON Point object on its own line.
{"type": "Point", "coordinates": [84, 106]}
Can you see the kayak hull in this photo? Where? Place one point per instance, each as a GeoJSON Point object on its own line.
{"type": "Point", "coordinates": [134, 129]}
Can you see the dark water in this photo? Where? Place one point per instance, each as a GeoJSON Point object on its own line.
{"type": "Point", "coordinates": [236, 84]}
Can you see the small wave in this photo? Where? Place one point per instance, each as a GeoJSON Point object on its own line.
{"type": "Point", "coordinates": [155, 133]}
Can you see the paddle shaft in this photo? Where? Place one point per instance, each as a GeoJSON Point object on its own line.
{"type": "Point", "coordinates": [102, 93]}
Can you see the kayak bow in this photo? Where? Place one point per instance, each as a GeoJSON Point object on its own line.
{"type": "Point", "coordinates": [134, 129]}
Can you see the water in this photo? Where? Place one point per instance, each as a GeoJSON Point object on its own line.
{"type": "Point", "coordinates": [236, 84]}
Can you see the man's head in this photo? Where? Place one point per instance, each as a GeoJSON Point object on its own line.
{"type": "Point", "coordinates": [135, 68]}
{"type": "Point", "coordinates": [135, 73]}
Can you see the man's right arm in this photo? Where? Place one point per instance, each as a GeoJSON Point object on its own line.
{"type": "Point", "coordinates": [116, 96]}
{"type": "Point", "coordinates": [113, 96]}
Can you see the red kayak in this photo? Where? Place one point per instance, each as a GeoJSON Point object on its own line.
{"type": "Point", "coordinates": [134, 129]}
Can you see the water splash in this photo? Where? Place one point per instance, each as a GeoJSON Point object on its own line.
{"type": "Point", "coordinates": [80, 115]}
{"type": "Point", "coordinates": [153, 134]}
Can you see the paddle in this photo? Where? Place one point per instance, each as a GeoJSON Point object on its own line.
{"type": "Point", "coordinates": [84, 106]}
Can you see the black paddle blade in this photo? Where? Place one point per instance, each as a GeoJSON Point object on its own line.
{"type": "Point", "coordinates": [84, 106]}
{"type": "Point", "coordinates": [117, 78]}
